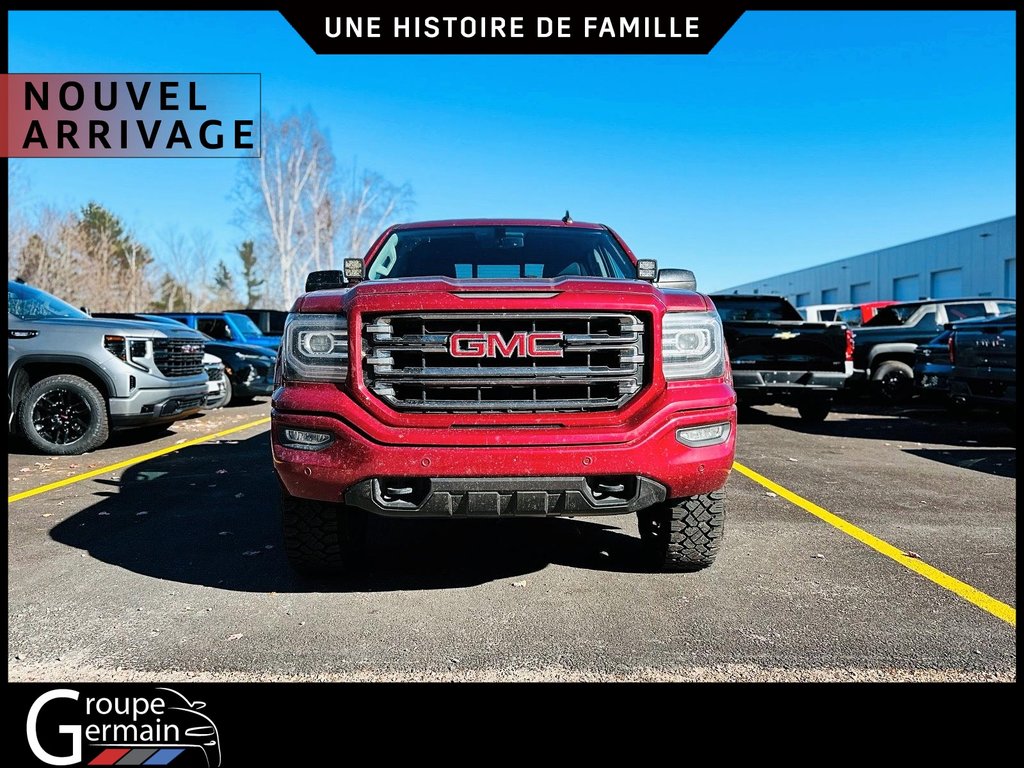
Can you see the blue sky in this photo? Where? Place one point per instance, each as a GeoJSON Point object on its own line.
{"type": "Point", "coordinates": [802, 138]}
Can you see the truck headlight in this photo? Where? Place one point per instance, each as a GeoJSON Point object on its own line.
{"type": "Point", "coordinates": [138, 353]}
{"type": "Point", "coordinates": [692, 346]}
{"type": "Point", "coordinates": [315, 348]}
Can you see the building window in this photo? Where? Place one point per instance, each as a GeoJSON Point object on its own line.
{"type": "Point", "coordinates": [829, 295]}
{"type": "Point", "coordinates": [1010, 278]}
{"type": "Point", "coordinates": [905, 288]}
{"type": "Point", "coordinates": [860, 293]}
{"type": "Point", "coordinates": [947, 284]}
{"type": "Point", "coordinates": [803, 299]}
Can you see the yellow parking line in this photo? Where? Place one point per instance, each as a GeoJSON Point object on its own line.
{"type": "Point", "coordinates": [987, 603]}
{"type": "Point", "coordinates": [133, 460]}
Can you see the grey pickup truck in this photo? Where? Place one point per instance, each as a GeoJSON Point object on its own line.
{"type": "Point", "coordinates": [72, 378]}
{"type": "Point", "coordinates": [778, 357]}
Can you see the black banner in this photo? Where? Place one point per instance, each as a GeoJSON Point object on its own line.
{"type": "Point", "coordinates": [689, 32]}
{"type": "Point", "coordinates": [205, 725]}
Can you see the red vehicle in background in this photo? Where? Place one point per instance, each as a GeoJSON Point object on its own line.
{"type": "Point", "coordinates": [503, 368]}
{"type": "Point", "coordinates": [858, 314]}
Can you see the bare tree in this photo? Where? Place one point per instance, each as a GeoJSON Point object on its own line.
{"type": "Point", "coordinates": [88, 259]}
{"type": "Point", "coordinates": [188, 261]}
{"type": "Point", "coordinates": [291, 198]}
{"type": "Point", "coordinates": [288, 193]}
{"type": "Point", "coordinates": [50, 251]}
{"type": "Point", "coordinates": [369, 203]}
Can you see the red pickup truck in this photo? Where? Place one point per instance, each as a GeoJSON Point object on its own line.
{"type": "Point", "coordinates": [502, 368]}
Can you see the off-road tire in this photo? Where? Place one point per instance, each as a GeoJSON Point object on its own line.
{"type": "Point", "coordinates": [321, 538]}
{"type": "Point", "coordinates": [63, 397]}
{"type": "Point", "coordinates": [684, 535]}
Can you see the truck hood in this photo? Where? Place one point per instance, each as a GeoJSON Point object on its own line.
{"type": "Point", "coordinates": [435, 289]}
{"type": "Point", "coordinates": [227, 347]}
{"type": "Point", "coordinates": [113, 327]}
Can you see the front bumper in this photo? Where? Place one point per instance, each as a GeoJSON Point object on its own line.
{"type": "Point", "coordinates": [353, 458]}
{"type": "Point", "coordinates": [931, 379]}
{"type": "Point", "coordinates": [154, 406]}
{"type": "Point", "coordinates": [216, 391]}
{"type": "Point", "coordinates": [253, 379]}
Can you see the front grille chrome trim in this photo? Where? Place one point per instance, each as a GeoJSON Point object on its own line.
{"type": "Point", "coordinates": [408, 365]}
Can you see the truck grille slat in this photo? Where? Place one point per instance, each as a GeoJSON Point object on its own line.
{"type": "Point", "coordinates": [178, 357]}
{"type": "Point", "coordinates": [409, 365]}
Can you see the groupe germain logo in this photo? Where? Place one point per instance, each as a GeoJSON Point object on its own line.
{"type": "Point", "coordinates": [163, 728]}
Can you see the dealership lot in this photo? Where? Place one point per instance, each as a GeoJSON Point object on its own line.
{"type": "Point", "coordinates": [171, 568]}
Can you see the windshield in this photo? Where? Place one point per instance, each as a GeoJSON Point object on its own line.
{"type": "Point", "coordinates": [28, 303]}
{"type": "Point", "coordinates": [499, 252]}
{"type": "Point", "coordinates": [744, 308]}
{"type": "Point", "coordinates": [245, 325]}
{"type": "Point", "coordinates": [894, 315]}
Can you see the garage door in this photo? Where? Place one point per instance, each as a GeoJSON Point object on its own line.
{"type": "Point", "coordinates": [946, 284]}
{"type": "Point", "coordinates": [905, 288]}
{"type": "Point", "coordinates": [860, 292]}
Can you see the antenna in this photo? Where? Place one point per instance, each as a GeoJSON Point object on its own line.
{"type": "Point", "coordinates": [567, 219]}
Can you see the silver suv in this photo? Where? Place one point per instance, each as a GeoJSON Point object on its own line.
{"type": "Point", "coordinates": [72, 378]}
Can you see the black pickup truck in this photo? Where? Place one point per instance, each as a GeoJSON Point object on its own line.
{"type": "Point", "coordinates": [777, 357]}
{"type": "Point", "coordinates": [885, 345]}
{"type": "Point", "coordinates": [984, 356]}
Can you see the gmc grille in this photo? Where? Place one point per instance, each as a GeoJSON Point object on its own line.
{"type": "Point", "coordinates": [408, 363]}
{"type": "Point", "coordinates": [178, 357]}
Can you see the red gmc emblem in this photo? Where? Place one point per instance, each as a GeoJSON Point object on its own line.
{"type": "Point", "coordinates": [492, 344]}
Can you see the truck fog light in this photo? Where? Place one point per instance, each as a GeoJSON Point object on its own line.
{"type": "Point", "coordinates": [707, 434]}
{"type": "Point", "coordinates": [306, 440]}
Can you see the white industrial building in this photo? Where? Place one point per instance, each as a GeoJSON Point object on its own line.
{"type": "Point", "coordinates": [976, 261]}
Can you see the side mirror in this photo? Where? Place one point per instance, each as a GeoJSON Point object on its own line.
{"type": "Point", "coordinates": [324, 280]}
{"type": "Point", "coordinates": [682, 279]}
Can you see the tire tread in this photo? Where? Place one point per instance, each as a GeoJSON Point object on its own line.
{"type": "Point", "coordinates": [685, 535]}
{"type": "Point", "coordinates": [321, 538]}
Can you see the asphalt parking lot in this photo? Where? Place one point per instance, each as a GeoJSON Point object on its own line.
{"type": "Point", "coordinates": [900, 564]}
